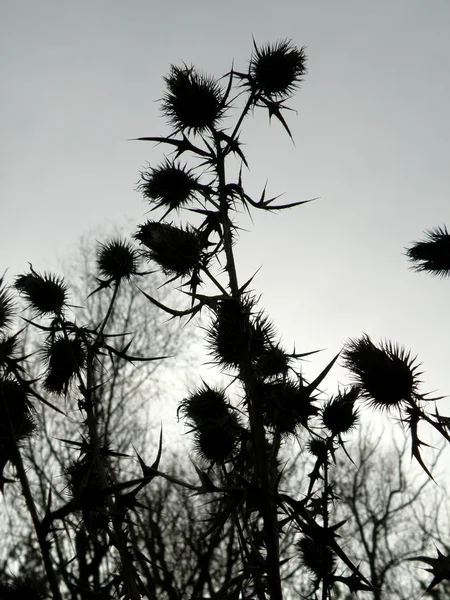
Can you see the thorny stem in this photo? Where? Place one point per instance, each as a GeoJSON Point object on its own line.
{"type": "Point", "coordinates": [31, 506]}
{"type": "Point", "coordinates": [120, 539]}
{"type": "Point", "coordinates": [248, 379]}
{"type": "Point", "coordinates": [325, 582]}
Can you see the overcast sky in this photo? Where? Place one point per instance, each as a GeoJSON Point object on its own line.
{"type": "Point", "coordinates": [372, 140]}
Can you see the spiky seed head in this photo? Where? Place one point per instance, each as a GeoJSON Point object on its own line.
{"type": "Point", "coordinates": [177, 251]}
{"type": "Point", "coordinates": [386, 375]}
{"type": "Point", "coordinates": [193, 102]}
{"type": "Point", "coordinates": [235, 335]}
{"type": "Point", "coordinates": [316, 556]}
{"type": "Point", "coordinates": [319, 447]}
{"type": "Point", "coordinates": [117, 259]}
{"type": "Point", "coordinates": [339, 414]}
{"type": "Point", "coordinates": [170, 185]}
{"type": "Point", "coordinates": [285, 405]}
{"type": "Point", "coordinates": [46, 293]}
{"type": "Point", "coordinates": [64, 358]}
{"type": "Point", "coordinates": [6, 305]}
{"type": "Point", "coordinates": [206, 406]}
{"type": "Point", "coordinates": [432, 254]}
{"type": "Point", "coordinates": [277, 69]}
{"type": "Point", "coordinates": [8, 348]}
{"type": "Point", "coordinates": [216, 443]}
{"type": "Point", "coordinates": [272, 362]}
{"type": "Point", "coordinates": [15, 407]}
{"type": "Point", "coordinates": [16, 421]}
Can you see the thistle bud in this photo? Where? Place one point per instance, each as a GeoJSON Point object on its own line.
{"type": "Point", "coordinates": [193, 102]}
{"type": "Point", "coordinates": [177, 251]}
{"type": "Point", "coordinates": [387, 375]}
{"type": "Point", "coordinates": [317, 557]}
{"type": "Point", "coordinates": [45, 293]}
{"type": "Point", "coordinates": [64, 356]}
{"type": "Point", "coordinates": [117, 260]}
{"type": "Point", "coordinates": [6, 306]}
{"type": "Point", "coordinates": [285, 405]}
{"type": "Point", "coordinates": [432, 254]}
{"type": "Point", "coordinates": [170, 185]}
{"type": "Point", "coordinates": [339, 415]}
{"type": "Point", "coordinates": [277, 69]}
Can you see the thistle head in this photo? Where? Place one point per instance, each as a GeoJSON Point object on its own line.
{"type": "Point", "coordinates": [316, 557]}
{"type": "Point", "coordinates": [386, 375]}
{"type": "Point", "coordinates": [169, 185]}
{"type": "Point", "coordinates": [276, 70]}
{"type": "Point", "coordinates": [235, 334]}
{"type": "Point", "coordinates": [6, 305]}
{"type": "Point", "coordinates": [206, 406]}
{"type": "Point", "coordinates": [216, 444]}
{"type": "Point", "coordinates": [193, 101]}
{"type": "Point", "coordinates": [117, 260]}
{"type": "Point", "coordinates": [45, 294]}
{"type": "Point", "coordinates": [339, 414]}
{"type": "Point", "coordinates": [432, 254]}
{"type": "Point", "coordinates": [285, 405]}
{"type": "Point", "coordinates": [64, 357]}
{"type": "Point", "coordinates": [177, 251]}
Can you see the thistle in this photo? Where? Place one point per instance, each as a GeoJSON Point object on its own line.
{"type": "Point", "coordinates": [339, 415]}
{"type": "Point", "coordinates": [177, 251]}
{"type": "Point", "coordinates": [117, 260]}
{"type": "Point", "coordinates": [285, 405]}
{"type": "Point", "coordinates": [16, 421]}
{"type": "Point", "coordinates": [6, 305]}
{"type": "Point", "coordinates": [386, 375]}
{"type": "Point", "coordinates": [46, 294]}
{"type": "Point", "coordinates": [170, 186]}
{"type": "Point", "coordinates": [433, 254]}
{"type": "Point", "coordinates": [64, 358]}
{"type": "Point", "coordinates": [317, 557]}
{"type": "Point", "coordinates": [193, 102]}
{"type": "Point", "coordinates": [276, 70]}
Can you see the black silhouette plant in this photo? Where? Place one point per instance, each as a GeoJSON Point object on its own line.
{"type": "Point", "coordinates": [239, 432]}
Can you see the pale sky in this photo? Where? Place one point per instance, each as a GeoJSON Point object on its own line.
{"type": "Point", "coordinates": [372, 135]}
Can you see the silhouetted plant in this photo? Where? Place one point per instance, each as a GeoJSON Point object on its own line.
{"type": "Point", "coordinates": [240, 431]}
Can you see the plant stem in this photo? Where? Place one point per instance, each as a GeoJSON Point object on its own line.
{"type": "Point", "coordinates": [31, 506]}
{"type": "Point", "coordinates": [247, 376]}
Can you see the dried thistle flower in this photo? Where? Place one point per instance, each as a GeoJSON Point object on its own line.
{"type": "Point", "coordinates": [170, 185]}
{"type": "Point", "coordinates": [234, 335]}
{"type": "Point", "coordinates": [387, 375]}
{"type": "Point", "coordinates": [285, 405]}
{"type": "Point", "coordinates": [177, 251]}
{"type": "Point", "coordinates": [216, 443]}
{"type": "Point", "coordinates": [65, 357]}
{"type": "Point", "coordinates": [277, 69]}
{"type": "Point", "coordinates": [193, 102]}
{"type": "Point", "coordinates": [45, 293]}
{"type": "Point", "coordinates": [432, 254]}
{"type": "Point", "coordinates": [339, 415]}
{"type": "Point", "coordinates": [6, 305]}
{"type": "Point", "coordinates": [117, 259]}
{"type": "Point", "coordinates": [272, 362]}
{"type": "Point", "coordinates": [316, 556]}
{"type": "Point", "coordinates": [206, 406]}
{"type": "Point", "coordinates": [16, 420]}
{"type": "Point", "coordinates": [319, 448]}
